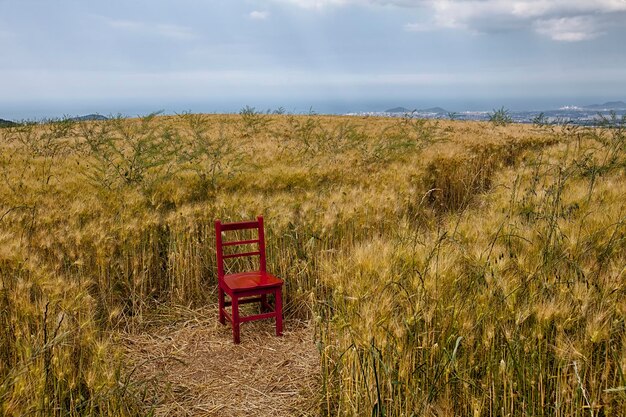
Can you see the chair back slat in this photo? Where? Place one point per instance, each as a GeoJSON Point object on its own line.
{"type": "Point", "coordinates": [262, 266]}
{"type": "Point", "coordinates": [240, 225]}
{"type": "Point", "coordinates": [220, 244]}
{"type": "Point", "coordinates": [240, 242]}
{"type": "Point", "coordinates": [240, 255]}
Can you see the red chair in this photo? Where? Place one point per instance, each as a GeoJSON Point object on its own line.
{"type": "Point", "coordinates": [250, 286]}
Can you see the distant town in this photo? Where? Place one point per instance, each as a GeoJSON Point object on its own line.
{"type": "Point", "coordinates": [586, 115]}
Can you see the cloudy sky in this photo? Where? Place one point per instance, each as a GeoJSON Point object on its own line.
{"type": "Point", "coordinates": [136, 56]}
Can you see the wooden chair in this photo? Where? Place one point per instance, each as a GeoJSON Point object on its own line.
{"type": "Point", "coordinates": [248, 286]}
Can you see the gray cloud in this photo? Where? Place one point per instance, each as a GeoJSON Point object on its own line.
{"type": "Point", "coordinates": [569, 29]}
{"type": "Point", "coordinates": [67, 52]}
{"type": "Point", "coordinates": [560, 20]}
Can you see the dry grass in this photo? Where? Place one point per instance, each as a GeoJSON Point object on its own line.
{"type": "Point", "coordinates": [192, 368]}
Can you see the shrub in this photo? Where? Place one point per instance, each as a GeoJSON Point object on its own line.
{"type": "Point", "coordinates": [500, 117]}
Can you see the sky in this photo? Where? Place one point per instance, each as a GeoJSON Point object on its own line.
{"type": "Point", "coordinates": [72, 57]}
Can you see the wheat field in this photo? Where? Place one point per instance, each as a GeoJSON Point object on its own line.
{"type": "Point", "coordinates": [446, 268]}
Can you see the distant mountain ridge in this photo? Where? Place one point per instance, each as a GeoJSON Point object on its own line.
{"type": "Point", "coordinates": [609, 105]}
{"type": "Point", "coordinates": [398, 110]}
{"type": "Point", "coordinates": [438, 110]}
{"type": "Point", "coordinates": [88, 117]}
{"type": "Point", "coordinates": [434, 110]}
{"type": "Point", "coordinates": [85, 118]}
{"type": "Point", "coordinates": [7, 123]}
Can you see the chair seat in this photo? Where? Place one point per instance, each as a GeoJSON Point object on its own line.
{"type": "Point", "coordinates": [244, 281]}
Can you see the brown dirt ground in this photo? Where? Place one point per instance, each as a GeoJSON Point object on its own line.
{"type": "Point", "coordinates": [192, 368]}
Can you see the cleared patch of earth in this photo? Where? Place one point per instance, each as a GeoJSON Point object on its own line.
{"type": "Point", "coordinates": [192, 368]}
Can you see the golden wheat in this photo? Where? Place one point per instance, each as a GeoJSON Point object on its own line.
{"type": "Point", "coordinates": [451, 268]}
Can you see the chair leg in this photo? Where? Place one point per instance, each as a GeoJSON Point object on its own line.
{"type": "Point", "coordinates": [264, 306]}
{"type": "Point", "coordinates": [220, 297]}
{"type": "Point", "coordinates": [279, 311]}
{"type": "Point", "coordinates": [235, 315]}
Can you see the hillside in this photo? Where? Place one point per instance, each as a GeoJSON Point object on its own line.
{"type": "Point", "coordinates": [89, 117]}
{"type": "Point", "coordinates": [453, 268]}
{"type": "Point", "coordinates": [7, 123]}
{"type": "Point", "coordinates": [405, 110]}
{"type": "Point", "coordinates": [398, 110]}
{"type": "Point", "coordinates": [610, 105]}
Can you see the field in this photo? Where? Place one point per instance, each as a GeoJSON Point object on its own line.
{"type": "Point", "coordinates": [433, 268]}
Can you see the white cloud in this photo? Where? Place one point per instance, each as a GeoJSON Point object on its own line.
{"type": "Point", "coordinates": [317, 4]}
{"type": "Point", "coordinates": [160, 29]}
{"type": "Point", "coordinates": [420, 27]}
{"type": "Point", "coordinates": [174, 31]}
{"type": "Point", "coordinates": [259, 15]}
{"type": "Point", "coordinates": [560, 20]}
{"type": "Point", "coordinates": [568, 29]}
{"type": "Point", "coordinates": [320, 4]}
{"type": "Point", "coordinates": [126, 24]}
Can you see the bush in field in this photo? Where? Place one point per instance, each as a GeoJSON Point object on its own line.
{"type": "Point", "coordinates": [540, 120]}
{"type": "Point", "coordinates": [252, 121]}
{"type": "Point", "coordinates": [142, 152]}
{"type": "Point", "coordinates": [500, 117]}
{"type": "Point", "coordinates": [212, 156]}
{"type": "Point", "coordinates": [453, 183]}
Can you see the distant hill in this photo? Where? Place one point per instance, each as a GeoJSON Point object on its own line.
{"type": "Point", "coordinates": [7, 123]}
{"type": "Point", "coordinates": [609, 105]}
{"type": "Point", "coordinates": [398, 110]}
{"type": "Point", "coordinates": [89, 117]}
{"type": "Point", "coordinates": [433, 110]}
{"type": "Point", "coordinates": [405, 110]}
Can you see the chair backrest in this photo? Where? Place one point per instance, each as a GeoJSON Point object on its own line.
{"type": "Point", "coordinates": [221, 244]}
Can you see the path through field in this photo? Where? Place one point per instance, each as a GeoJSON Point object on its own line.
{"type": "Point", "coordinates": [192, 368]}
